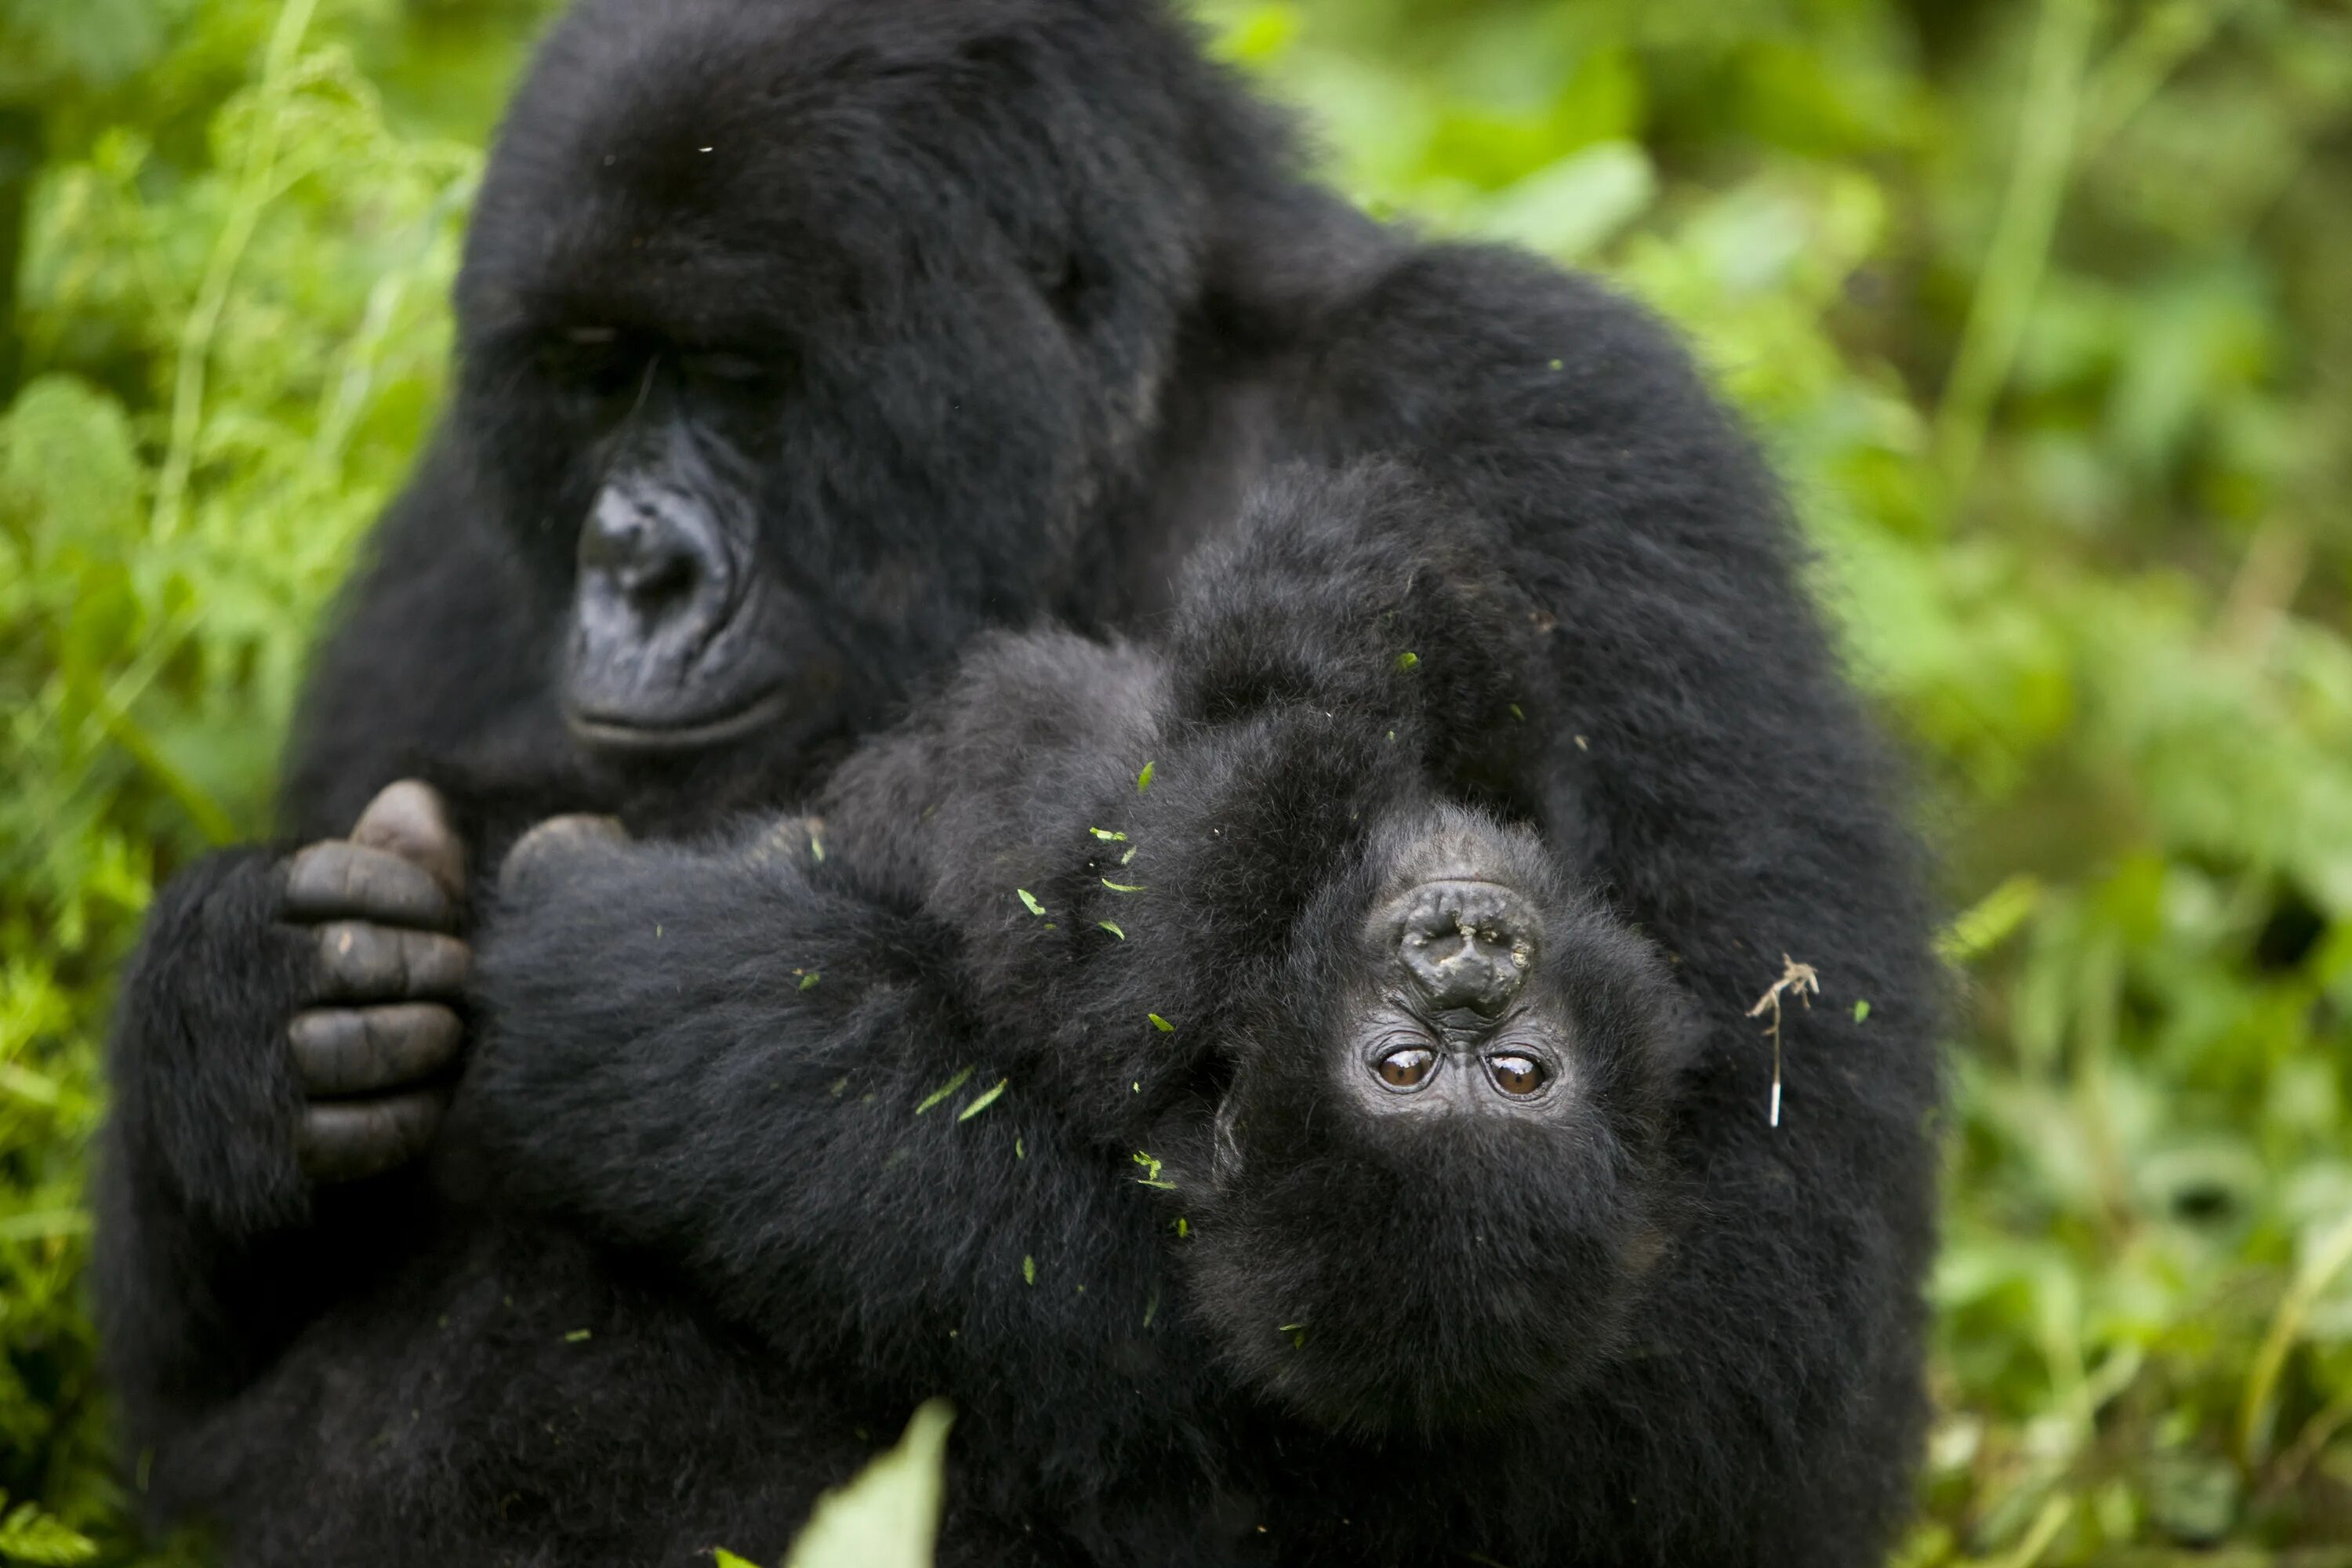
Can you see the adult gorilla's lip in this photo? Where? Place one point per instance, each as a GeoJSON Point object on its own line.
{"type": "Point", "coordinates": [620, 733]}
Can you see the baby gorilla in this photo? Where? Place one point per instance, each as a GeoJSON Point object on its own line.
{"type": "Point", "coordinates": [1440, 1201]}
{"type": "Point", "coordinates": [1396, 1089]}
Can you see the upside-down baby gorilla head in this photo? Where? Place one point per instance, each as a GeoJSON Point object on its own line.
{"type": "Point", "coordinates": [1435, 1179]}
{"type": "Point", "coordinates": [792, 354]}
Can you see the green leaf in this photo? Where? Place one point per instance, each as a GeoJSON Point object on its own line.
{"type": "Point", "coordinates": [1112, 927]}
{"type": "Point", "coordinates": [1030, 901]}
{"type": "Point", "coordinates": [1143, 779]}
{"type": "Point", "coordinates": [28, 1534]}
{"type": "Point", "coordinates": [983, 1101]}
{"type": "Point", "coordinates": [945, 1090]}
{"type": "Point", "coordinates": [1162, 1025]}
{"type": "Point", "coordinates": [808, 980]}
{"type": "Point", "coordinates": [888, 1516]}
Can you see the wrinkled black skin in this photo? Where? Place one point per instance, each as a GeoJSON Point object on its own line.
{"type": "Point", "coordinates": [1040, 299]}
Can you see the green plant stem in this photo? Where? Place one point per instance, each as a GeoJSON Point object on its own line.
{"type": "Point", "coordinates": [2020, 252]}
{"type": "Point", "coordinates": [255, 186]}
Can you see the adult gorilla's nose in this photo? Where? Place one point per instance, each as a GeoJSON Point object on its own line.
{"type": "Point", "coordinates": [673, 644]}
{"type": "Point", "coordinates": [653, 553]}
{"type": "Point", "coordinates": [1466, 944]}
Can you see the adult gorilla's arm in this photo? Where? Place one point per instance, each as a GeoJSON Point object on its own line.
{"type": "Point", "coordinates": [268, 975]}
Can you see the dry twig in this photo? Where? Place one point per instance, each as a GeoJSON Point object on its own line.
{"type": "Point", "coordinates": [1802, 980]}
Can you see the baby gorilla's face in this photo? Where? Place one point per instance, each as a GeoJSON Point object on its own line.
{"type": "Point", "coordinates": [1436, 1177]}
{"type": "Point", "coordinates": [1454, 1030]}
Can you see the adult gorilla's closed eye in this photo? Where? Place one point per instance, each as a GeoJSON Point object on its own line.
{"type": "Point", "coordinates": [801, 339]}
{"type": "Point", "coordinates": [798, 340]}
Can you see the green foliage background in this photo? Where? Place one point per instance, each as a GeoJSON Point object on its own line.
{"type": "Point", "coordinates": [2044, 306]}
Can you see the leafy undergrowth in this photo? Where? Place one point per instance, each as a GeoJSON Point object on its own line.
{"type": "Point", "coordinates": [2040, 306]}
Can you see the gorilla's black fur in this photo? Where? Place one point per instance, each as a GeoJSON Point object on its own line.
{"type": "Point", "coordinates": [803, 341]}
{"type": "Point", "coordinates": [1350, 1326]}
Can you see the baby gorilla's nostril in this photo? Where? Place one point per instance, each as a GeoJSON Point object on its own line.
{"type": "Point", "coordinates": [1467, 945]}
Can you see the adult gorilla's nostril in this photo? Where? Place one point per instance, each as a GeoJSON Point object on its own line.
{"type": "Point", "coordinates": [647, 553]}
{"type": "Point", "coordinates": [1467, 945]}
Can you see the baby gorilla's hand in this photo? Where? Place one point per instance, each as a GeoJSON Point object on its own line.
{"type": "Point", "coordinates": [386, 904]}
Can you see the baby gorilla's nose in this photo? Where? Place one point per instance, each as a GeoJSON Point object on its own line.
{"type": "Point", "coordinates": [1468, 944]}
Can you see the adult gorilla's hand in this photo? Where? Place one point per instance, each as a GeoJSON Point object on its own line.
{"type": "Point", "coordinates": [540, 854]}
{"type": "Point", "coordinates": [387, 904]}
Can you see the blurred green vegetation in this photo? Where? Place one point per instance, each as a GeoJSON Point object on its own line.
{"type": "Point", "coordinates": [2045, 307]}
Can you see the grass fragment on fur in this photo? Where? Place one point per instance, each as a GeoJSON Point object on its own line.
{"type": "Point", "coordinates": [808, 980]}
{"type": "Point", "coordinates": [1030, 901]}
{"type": "Point", "coordinates": [946, 1089]}
{"type": "Point", "coordinates": [1029, 1270]}
{"type": "Point", "coordinates": [1129, 856]}
{"type": "Point", "coordinates": [983, 1101]}
{"type": "Point", "coordinates": [1112, 927]}
{"type": "Point", "coordinates": [1861, 1012]}
{"type": "Point", "coordinates": [1122, 887]}
{"type": "Point", "coordinates": [1408, 660]}
{"type": "Point", "coordinates": [576, 1336]}
{"type": "Point", "coordinates": [1160, 1024]}
{"type": "Point", "coordinates": [1150, 1177]}
{"type": "Point", "coordinates": [1143, 779]}
{"type": "Point", "coordinates": [1107, 836]}
{"type": "Point", "coordinates": [1020, 1148]}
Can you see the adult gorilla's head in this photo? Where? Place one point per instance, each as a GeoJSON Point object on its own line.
{"type": "Point", "coordinates": [801, 337]}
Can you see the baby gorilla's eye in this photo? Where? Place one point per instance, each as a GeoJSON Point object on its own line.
{"type": "Point", "coordinates": [1407, 1068]}
{"type": "Point", "coordinates": [1516, 1074]}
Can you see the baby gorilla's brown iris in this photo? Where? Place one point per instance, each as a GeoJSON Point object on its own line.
{"type": "Point", "coordinates": [1516, 1074]}
{"type": "Point", "coordinates": [1407, 1068]}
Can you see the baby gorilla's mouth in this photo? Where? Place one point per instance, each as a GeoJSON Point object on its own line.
{"type": "Point", "coordinates": [1467, 945]}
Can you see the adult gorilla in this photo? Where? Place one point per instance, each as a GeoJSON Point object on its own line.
{"type": "Point", "coordinates": [800, 341]}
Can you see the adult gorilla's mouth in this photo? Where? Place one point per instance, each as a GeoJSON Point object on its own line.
{"type": "Point", "coordinates": [635, 732]}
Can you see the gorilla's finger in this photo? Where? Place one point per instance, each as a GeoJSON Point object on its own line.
{"type": "Point", "coordinates": [344, 1140]}
{"type": "Point", "coordinates": [411, 820]}
{"type": "Point", "coordinates": [364, 1050]}
{"type": "Point", "coordinates": [359, 961]}
{"type": "Point", "coordinates": [538, 853]}
{"type": "Point", "coordinates": [338, 878]}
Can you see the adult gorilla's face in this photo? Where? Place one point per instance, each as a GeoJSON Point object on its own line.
{"type": "Point", "coordinates": [791, 360]}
